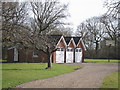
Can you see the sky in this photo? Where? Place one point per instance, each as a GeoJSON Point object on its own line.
{"type": "Point", "coordinates": [80, 10]}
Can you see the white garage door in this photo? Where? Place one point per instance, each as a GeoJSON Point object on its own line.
{"type": "Point", "coordinates": [78, 55]}
{"type": "Point", "coordinates": [69, 55]}
{"type": "Point", "coordinates": [60, 55]}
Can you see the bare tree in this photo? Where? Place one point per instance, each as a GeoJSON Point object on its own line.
{"type": "Point", "coordinates": [111, 26]}
{"type": "Point", "coordinates": [92, 32]}
{"type": "Point", "coordinates": [113, 8]}
{"type": "Point", "coordinates": [13, 17]}
{"type": "Point", "coordinates": [48, 14]}
{"type": "Point", "coordinates": [95, 28]}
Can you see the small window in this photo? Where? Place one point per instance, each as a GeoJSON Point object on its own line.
{"type": "Point", "coordinates": [80, 50]}
{"type": "Point", "coordinates": [67, 49]}
{"type": "Point", "coordinates": [76, 50]}
{"type": "Point", "coordinates": [58, 49]}
{"type": "Point", "coordinates": [71, 49]}
{"type": "Point", "coordinates": [62, 49]}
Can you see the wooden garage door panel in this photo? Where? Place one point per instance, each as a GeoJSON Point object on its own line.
{"type": "Point", "coordinates": [78, 55]}
{"type": "Point", "coordinates": [69, 55]}
{"type": "Point", "coordinates": [59, 57]}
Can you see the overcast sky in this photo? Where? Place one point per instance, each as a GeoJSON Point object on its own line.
{"type": "Point", "coordinates": [81, 10]}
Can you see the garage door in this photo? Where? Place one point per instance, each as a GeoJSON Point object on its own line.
{"type": "Point", "coordinates": [60, 55]}
{"type": "Point", "coordinates": [78, 55]}
{"type": "Point", "coordinates": [69, 55]}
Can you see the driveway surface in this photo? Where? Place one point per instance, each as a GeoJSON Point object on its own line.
{"type": "Point", "coordinates": [90, 76]}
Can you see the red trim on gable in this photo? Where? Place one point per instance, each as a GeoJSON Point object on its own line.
{"type": "Point", "coordinates": [71, 45]}
{"type": "Point", "coordinates": [61, 44]}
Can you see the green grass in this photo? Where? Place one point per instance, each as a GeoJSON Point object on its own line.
{"type": "Point", "coordinates": [18, 73]}
{"type": "Point", "coordinates": [111, 81]}
{"type": "Point", "coordinates": [3, 61]}
{"type": "Point", "coordinates": [101, 61]}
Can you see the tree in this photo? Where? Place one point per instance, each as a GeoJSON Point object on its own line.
{"type": "Point", "coordinates": [92, 32]}
{"type": "Point", "coordinates": [13, 17]}
{"type": "Point", "coordinates": [113, 8]}
{"type": "Point", "coordinates": [48, 15]}
{"type": "Point", "coordinates": [111, 22]}
{"type": "Point", "coordinates": [95, 28]}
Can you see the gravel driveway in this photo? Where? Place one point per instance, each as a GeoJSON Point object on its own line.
{"type": "Point", "coordinates": [90, 76]}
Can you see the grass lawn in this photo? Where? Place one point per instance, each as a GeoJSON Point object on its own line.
{"type": "Point", "coordinates": [3, 61]}
{"type": "Point", "coordinates": [17, 73]}
{"type": "Point", "coordinates": [101, 61]}
{"type": "Point", "coordinates": [111, 81]}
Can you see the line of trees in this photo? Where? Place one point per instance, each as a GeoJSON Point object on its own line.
{"type": "Point", "coordinates": [95, 30]}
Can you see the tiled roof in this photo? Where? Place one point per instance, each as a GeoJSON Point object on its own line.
{"type": "Point", "coordinates": [76, 39]}
{"type": "Point", "coordinates": [67, 39]}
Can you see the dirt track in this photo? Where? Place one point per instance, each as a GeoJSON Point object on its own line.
{"type": "Point", "coordinates": [90, 76]}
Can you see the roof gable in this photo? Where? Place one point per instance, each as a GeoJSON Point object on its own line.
{"type": "Point", "coordinates": [76, 40]}
{"type": "Point", "coordinates": [73, 43]}
{"type": "Point", "coordinates": [81, 42]}
{"type": "Point", "coordinates": [67, 39]}
{"type": "Point", "coordinates": [56, 37]}
{"type": "Point", "coordinates": [62, 39]}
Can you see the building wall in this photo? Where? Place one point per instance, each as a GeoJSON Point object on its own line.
{"type": "Point", "coordinates": [71, 45]}
{"type": "Point", "coordinates": [27, 56]}
{"type": "Point", "coordinates": [54, 57]}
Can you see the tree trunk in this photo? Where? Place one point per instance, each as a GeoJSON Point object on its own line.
{"type": "Point", "coordinates": [96, 49]}
{"type": "Point", "coordinates": [49, 59]}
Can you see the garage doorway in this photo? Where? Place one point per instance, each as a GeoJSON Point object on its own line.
{"type": "Point", "coordinates": [78, 55]}
{"type": "Point", "coordinates": [69, 55]}
{"type": "Point", "coordinates": [60, 55]}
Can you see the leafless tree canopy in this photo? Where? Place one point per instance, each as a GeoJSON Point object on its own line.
{"type": "Point", "coordinates": [48, 14]}
{"type": "Point", "coordinates": [13, 17]}
{"type": "Point", "coordinates": [92, 31]}
{"type": "Point", "coordinates": [113, 8]}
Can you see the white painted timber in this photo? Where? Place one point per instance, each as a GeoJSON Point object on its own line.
{"type": "Point", "coordinates": [15, 54]}
{"type": "Point", "coordinates": [60, 55]}
{"type": "Point", "coordinates": [78, 55]}
{"type": "Point", "coordinates": [69, 55]}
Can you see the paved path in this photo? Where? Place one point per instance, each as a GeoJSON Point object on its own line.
{"type": "Point", "coordinates": [90, 76]}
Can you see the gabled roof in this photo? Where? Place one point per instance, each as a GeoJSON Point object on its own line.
{"type": "Point", "coordinates": [67, 39]}
{"type": "Point", "coordinates": [56, 37]}
{"type": "Point", "coordinates": [72, 40]}
{"type": "Point", "coordinates": [76, 39]}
